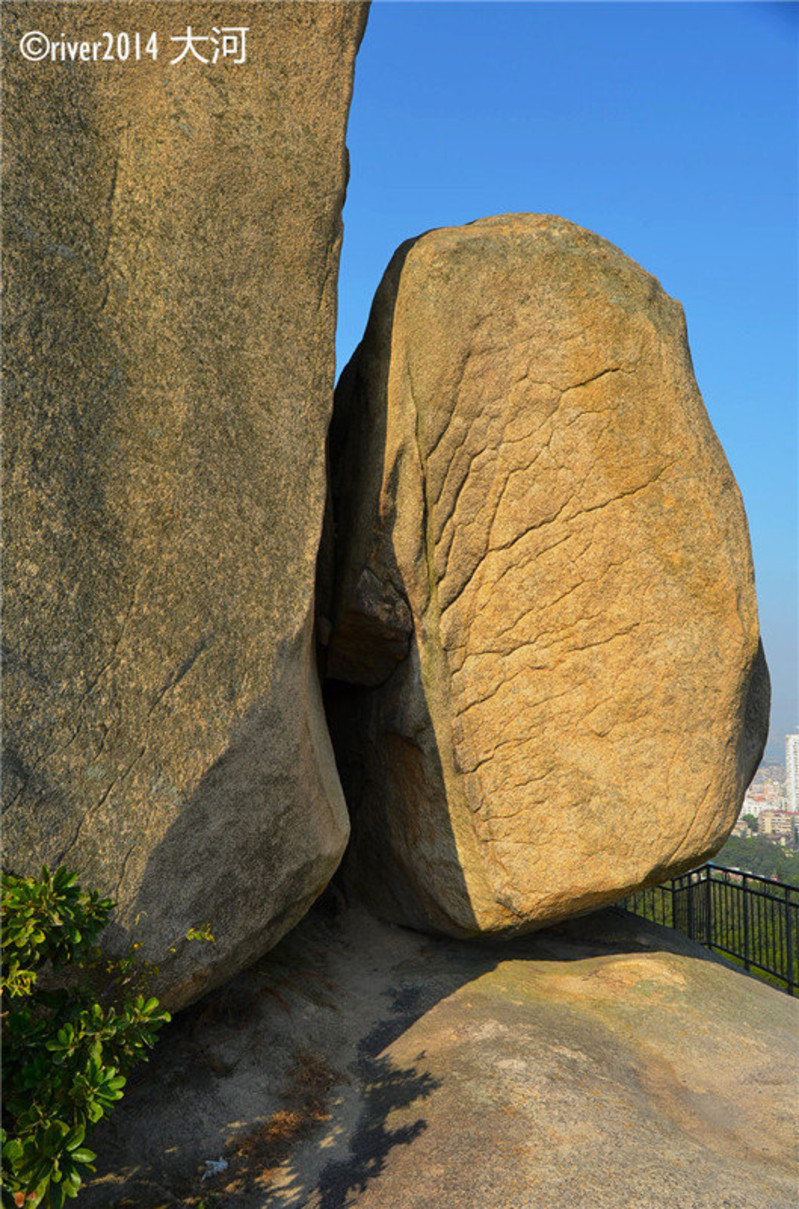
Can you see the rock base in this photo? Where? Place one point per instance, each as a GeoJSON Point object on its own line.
{"type": "Point", "coordinates": [605, 1063]}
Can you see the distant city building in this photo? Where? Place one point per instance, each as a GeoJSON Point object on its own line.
{"type": "Point", "coordinates": [767, 790]}
{"type": "Point", "coordinates": [792, 771]}
{"type": "Point", "coordinates": [755, 801]}
{"type": "Point", "coordinates": [778, 823]}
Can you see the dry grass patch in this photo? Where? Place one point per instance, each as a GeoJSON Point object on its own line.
{"type": "Point", "coordinates": [258, 1153]}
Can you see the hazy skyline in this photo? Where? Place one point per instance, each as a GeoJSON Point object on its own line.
{"type": "Point", "coordinates": [669, 129]}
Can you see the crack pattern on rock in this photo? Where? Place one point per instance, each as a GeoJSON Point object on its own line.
{"type": "Point", "coordinates": [576, 564]}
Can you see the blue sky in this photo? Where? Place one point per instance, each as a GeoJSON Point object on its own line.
{"type": "Point", "coordinates": [668, 128]}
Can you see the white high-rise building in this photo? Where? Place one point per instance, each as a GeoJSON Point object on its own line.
{"type": "Point", "coordinates": [792, 771]}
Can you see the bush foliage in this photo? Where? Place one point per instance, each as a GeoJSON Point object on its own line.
{"type": "Point", "coordinates": [74, 1024]}
{"type": "Point", "coordinates": [756, 854]}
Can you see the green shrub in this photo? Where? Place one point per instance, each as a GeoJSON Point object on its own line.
{"type": "Point", "coordinates": [73, 1023]}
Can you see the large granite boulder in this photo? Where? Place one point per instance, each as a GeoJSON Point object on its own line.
{"type": "Point", "coordinates": [542, 623]}
{"type": "Point", "coordinates": [172, 235]}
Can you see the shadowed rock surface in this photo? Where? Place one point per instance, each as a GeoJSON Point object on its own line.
{"type": "Point", "coordinates": [172, 238]}
{"type": "Point", "coordinates": [602, 1064]}
{"type": "Point", "coordinates": [549, 683]}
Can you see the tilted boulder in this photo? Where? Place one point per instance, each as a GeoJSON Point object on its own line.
{"type": "Point", "coordinates": [543, 587]}
{"type": "Point", "coordinates": [172, 234]}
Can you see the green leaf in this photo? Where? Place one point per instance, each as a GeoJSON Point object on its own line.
{"type": "Point", "coordinates": [12, 1150]}
{"type": "Point", "coordinates": [83, 1155]}
{"type": "Point", "coordinates": [75, 1137]}
{"type": "Point", "coordinates": [72, 1185]}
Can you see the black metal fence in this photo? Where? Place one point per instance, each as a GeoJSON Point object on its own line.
{"type": "Point", "coordinates": [751, 919]}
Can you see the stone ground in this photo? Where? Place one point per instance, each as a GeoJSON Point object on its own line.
{"type": "Point", "coordinates": [605, 1063]}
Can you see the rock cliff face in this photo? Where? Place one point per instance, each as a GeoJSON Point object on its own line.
{"type": "Point", "coordinates": [172, 236]}
{"type": "Point", "coordinates": [536, 602]}
{"type": "Point", "coordinates": [543, 588]}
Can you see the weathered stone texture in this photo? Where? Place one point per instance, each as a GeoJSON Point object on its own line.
{"type": "Point", "coordinates": [172, 236]}
{"type": "Point", "coordinates": [606, 1063]}
{"type": "Point", "coordinates": [526, 479]}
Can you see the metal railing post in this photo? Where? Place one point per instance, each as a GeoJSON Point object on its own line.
{"type": "Point", "coordinates": [788, 938]}
{"type": "Point", "coordinates": [746, 953]}
{"type": "Point", "coordinates": [709, 908]}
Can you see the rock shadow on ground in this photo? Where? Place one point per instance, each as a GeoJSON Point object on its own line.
{"type": "Point", "coordinates": [605, 1062]}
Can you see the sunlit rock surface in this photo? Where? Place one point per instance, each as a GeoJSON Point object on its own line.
{"type": "Point", "coordinates": [544, 638]}
{"type": "Point", "coordinates": [172, 235]}
{"type": "Point", "coordinates": [604, 1064]}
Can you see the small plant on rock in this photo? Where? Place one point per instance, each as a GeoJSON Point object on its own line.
{"type": "Point", "coordinates": [73, 1023]}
